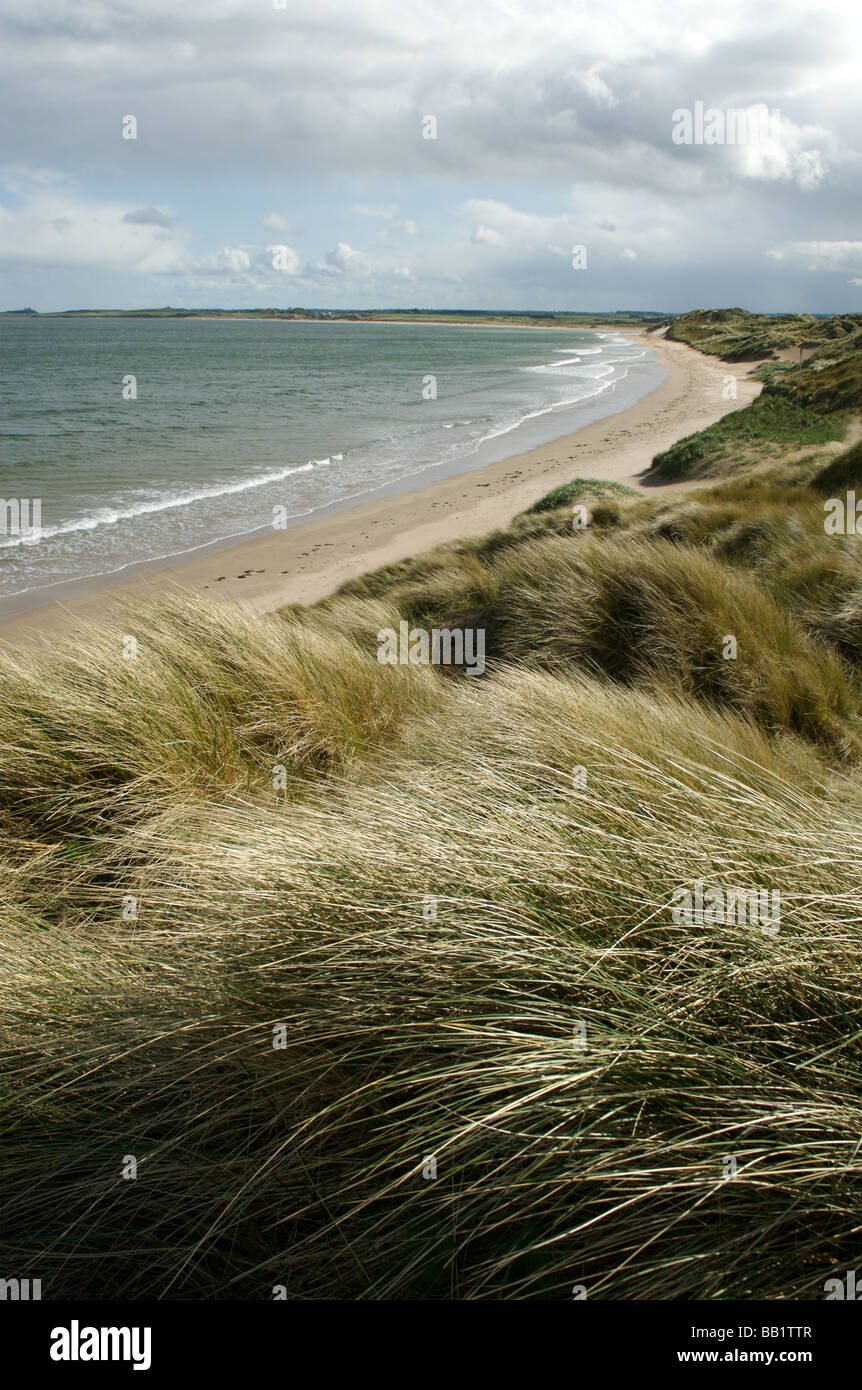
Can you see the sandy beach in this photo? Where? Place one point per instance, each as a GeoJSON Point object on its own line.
{"type": "Point", "coordinates": [311, 559]}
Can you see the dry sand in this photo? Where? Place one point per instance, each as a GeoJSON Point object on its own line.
{"type": "Point", "coordinates": [311, 559]}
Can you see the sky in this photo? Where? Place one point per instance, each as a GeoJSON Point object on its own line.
{"type": "Point", "coordinates": [499, 154]}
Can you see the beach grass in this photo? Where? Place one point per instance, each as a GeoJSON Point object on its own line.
{"type": "Point", "coordinates": [285, 1037]}
{"type": "Point", "coordinates": [334, 979]}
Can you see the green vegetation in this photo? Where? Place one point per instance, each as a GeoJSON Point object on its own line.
{"type": "Point", "coordinates": [842, 474]}
{"type": "Point", "coordinates": [745, 437]}
{"type": "Point", "coordinates": [738, 336]}
{"type": "Point", "coordinates": [232, 841]}
{"type": "Point", "coordinates": [585, 488]}
{"type": "Point", "coordinates": [807, 399]}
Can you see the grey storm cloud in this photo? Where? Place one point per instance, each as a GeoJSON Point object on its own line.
{"type": "Point", "coordinates": [557, 113]}
{"type": "Point", "coordinates": [345, 86]}
{"type": "Point", "coordinates": [148, 217]}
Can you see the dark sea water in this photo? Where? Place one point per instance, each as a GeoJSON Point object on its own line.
{"type": "Point", "coordinates": [235, 418]}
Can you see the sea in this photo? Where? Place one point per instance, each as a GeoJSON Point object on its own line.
{"type": "Point", "coordinates": [145, 439]}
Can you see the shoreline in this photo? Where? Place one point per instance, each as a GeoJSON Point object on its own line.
{"type": "Point", "coordinates": [538, 427]}
{"type": "Point", "coordinates": [311, 559]}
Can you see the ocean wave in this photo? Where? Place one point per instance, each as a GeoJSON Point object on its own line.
{"type": "Point", "coordinates": [600, 386]}
{"type": "Point", "coordinates": [567, 361]}
{"type": "Point", "coordinates": [110, 516]}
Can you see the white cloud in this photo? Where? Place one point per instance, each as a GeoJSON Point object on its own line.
{"type": "Point", "coordinates": [283, 259]}
{"type": "Point", "coordinates": [370, 210]}
{"type": "Point", "coordinates": [345, 259]}
{"type": "Point", "coordinates": [62, 228]}
{"type": "Point", "coordinates": [274, 222]}
{"type": "Point", "coordinates": [487, 236]}
{"type": "Point", "coordinates": [823, 255]}
{"type": "Point", "coordinates": [230, 258]}
{"type": "Point", "coordinates": [597, 88]}
{"type": "Point", "coordinates": [21, 180]}
{"type": "Point", "coordinates": [786, 151]}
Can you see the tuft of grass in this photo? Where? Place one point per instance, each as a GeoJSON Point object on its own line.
{"type": "Point", "coordinates": [456, 1036]}
{"type": "Point", "coordinates": [602, 490]}
{"type": "Point", "coordinates": [843, 473]}
{"type": "Point", "coordinates": [659, 614]}
{"type": "Point", "coordinates": [212, 699]}
{"type": "Point", "coordinates": [764, 429]}
{"type": "Point", "coordinates": [738, 335]}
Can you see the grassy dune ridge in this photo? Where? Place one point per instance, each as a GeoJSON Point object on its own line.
{"type": "Point", "coordinates": [812, 374]}
{"type": "Point", "coordinates": [376, 915]}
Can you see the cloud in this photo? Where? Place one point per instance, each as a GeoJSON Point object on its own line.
{"type": "Point", "coordinates": [274, 222]}
{"type": "Point", "coordinates": [344, 89]}
{"type": "Point", "coordinates": [369, 210]}
{"type": "Point", "coordinates": [148, 217]}
{"type": "Point", "coordinates": [231, 258]}
{"type": "Point", "coordinates": [283, 259]}
{"type": "Point", "coordinates": [487, 236]}
{"type": "Point", "coordinates": [345, 260]}
{"type": "Point", "coordinates": [554, 129]}
{"type": "Point", "coordinates": [597, 89]}
{"type": "Point", "coordinates": [823, 255]}
{"type": "Point", "coordinates": [58, 227]}
{"type": "Point", "coordinates": [788, 151]}
{"type": "Point", "coordinates": [386, 213]}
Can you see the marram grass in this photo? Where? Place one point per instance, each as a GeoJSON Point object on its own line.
{"type": "Point", "coordinates": [345, 980]}
{"type": "Point", "coordinates": [464, 954]}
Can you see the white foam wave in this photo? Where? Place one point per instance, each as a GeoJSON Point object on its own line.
{"type": "Point", "coordinates": [110, 516]}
